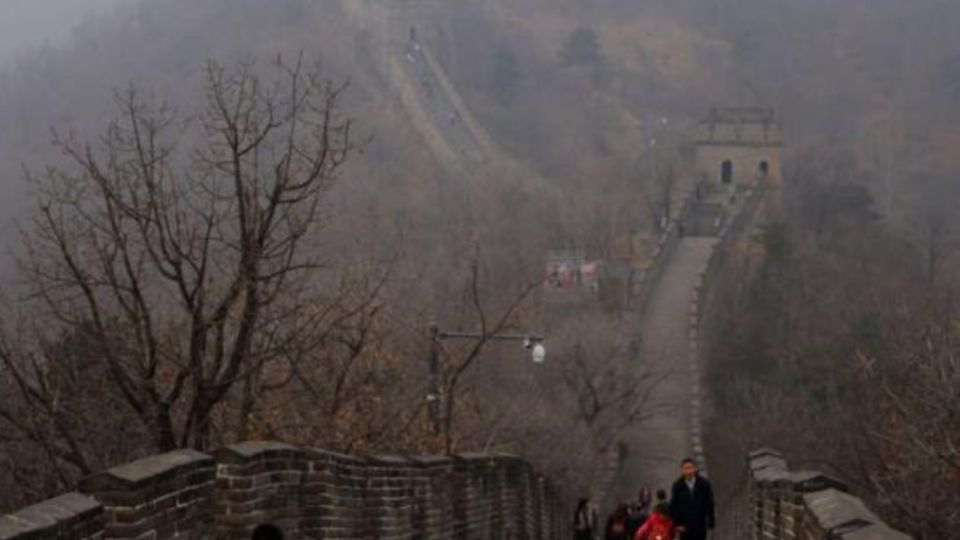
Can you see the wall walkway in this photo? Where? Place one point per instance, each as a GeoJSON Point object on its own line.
{"type": "Point", "coordinates": [670, 294]}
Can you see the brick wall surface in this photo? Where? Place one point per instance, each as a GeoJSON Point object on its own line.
{"type": "Point", "coordinates": [158, 497]}
{"type": "Point", "coordinates": [807, 505]}
{"type": "Point", "coordinates": [306, 493]}
{"type": "Point", "coordinates": [68, 516]}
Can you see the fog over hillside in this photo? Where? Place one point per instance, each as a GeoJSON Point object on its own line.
{"type": "Point", "coordinates": [226, 220]}
{"type": "Point", "coordinates": [28, 24]}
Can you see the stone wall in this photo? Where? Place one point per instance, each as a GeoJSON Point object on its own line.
{"type": "Point", "coordinates": [165, 496]}
{"type": "Point", "coordinates": [306, 493]}
{"type": "Point", "coordinates": [807, 505]}
{"type": "Point", "coordinates": [68, 516]}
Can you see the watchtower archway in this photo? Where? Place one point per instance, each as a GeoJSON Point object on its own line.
{"type": "Point", "coordinates": [764, 168]}
{"type": "Point", "coordinates": [726, 172]}
{"type": "Point", "coordinates": [267, 532]}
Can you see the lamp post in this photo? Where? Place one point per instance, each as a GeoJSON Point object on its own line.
{"type": "Point", "coordinates": [533, 343]}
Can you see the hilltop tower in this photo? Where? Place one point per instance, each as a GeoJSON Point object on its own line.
{"type": "Point", "coordinates": [738, 147]}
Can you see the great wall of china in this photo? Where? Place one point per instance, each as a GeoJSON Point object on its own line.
{"type": "Point", "coordinates": [309, 493]}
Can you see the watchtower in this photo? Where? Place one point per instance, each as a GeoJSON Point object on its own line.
{"type": "Point", "coordinates": [739, 146]}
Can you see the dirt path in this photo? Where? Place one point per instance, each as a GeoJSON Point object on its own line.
{"type": "Point", "coordinates": [656, 448]}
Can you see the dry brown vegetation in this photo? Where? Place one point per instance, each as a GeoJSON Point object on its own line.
{"type": "Point", "coordinates": [849, 331]}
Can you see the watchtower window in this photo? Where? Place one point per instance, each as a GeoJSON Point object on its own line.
{"type": "Point", "coordinates": [764, 168]}
{"type": "Point", "coordinates": [726, 172]}
{"type": "Point", "coordinates": [267, 532]}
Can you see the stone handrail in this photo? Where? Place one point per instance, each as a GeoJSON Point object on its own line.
{"type": "Point", "coordinates": [646, 279]}
{"type": "Point", "coordinates": [305, 492]}
{"type": "Point", "coordinates": [710, 278]}
{"type": "Point", "coordinates": [731, 232]}
{"type": "Point", "coordinates": [807, 505]}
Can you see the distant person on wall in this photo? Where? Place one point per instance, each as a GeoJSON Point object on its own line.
{"type": "Point", "coordinates": [617, 524]}
{"type": "Point", "coordinates": [659, 526]}
{"type": "Point", "coordinates": [584, 521]}
{"type": "Point", "coordinates": [691, 503]}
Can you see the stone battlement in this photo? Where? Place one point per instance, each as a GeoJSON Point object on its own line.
{"type": "Point", "coordinates": [807, 505]}
{"type": "Point", "coordinates": [740, 126]}
{"type": "Point", "coordinates": [304, 492]}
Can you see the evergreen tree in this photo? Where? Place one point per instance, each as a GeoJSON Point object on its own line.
{"type": "Point", "coordinates": [582, 48]}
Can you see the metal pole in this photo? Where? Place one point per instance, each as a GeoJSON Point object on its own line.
{"type": "Point", "coordinates": [433, 362]}
{"type": "Point", "coordinates": [533, 338]}
{"type": "Point", "coordinates": [435, 392]}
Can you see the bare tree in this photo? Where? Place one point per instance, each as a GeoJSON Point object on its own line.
{"type": "Point", "coordinates": [608, 383]}
{"type": "Point", "coordinates": [182, 250]}
{"type": "Point", "coordinates": [352, 388]}
{"type": "Point", "coordinates": [913, 440]}
{"type": "Point", "coordinates": [59, 421]}
{"type": "Point", "coordinates": [934, 231]}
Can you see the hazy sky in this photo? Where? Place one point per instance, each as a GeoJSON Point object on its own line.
{"type": "Point", "coordinates": [31, 23]}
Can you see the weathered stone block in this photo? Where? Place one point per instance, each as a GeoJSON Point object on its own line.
{"type": "Point", "coordinates": [142, 474]}
{"type": "Point", "coordinates": [805, 505]}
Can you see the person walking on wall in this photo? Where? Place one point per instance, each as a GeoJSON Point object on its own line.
{"type": "Point", "coordinates": [584, 521]}
{"type": "Point", "coordinates": [691, 503]}
{"type": "Point", "coordinates": [639, 512]}
{"type": "Point", "coordinates": [658, 526]}
{"type": "Point", "coordinates": [617, 523]}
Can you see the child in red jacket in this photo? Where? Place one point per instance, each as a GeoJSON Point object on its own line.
{"type": "Point", "coordinates": [658, 527]}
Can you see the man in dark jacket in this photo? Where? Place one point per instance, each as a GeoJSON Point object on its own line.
{"type": "Point", "coordinates": [691, 503]}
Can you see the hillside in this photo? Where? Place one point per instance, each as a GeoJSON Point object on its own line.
{"type": "Point", "coordinates": [371, 254]}
{"type": "Point", "coordinates": [162, 46]}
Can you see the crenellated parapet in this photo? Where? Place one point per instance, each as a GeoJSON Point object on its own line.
{"type": "Point", "coordinates": [807, 505]}
{"type": "Point", "coordinates": [303, 493]}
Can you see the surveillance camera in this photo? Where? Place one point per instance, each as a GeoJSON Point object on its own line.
{"type": "Point", "coordinates": [539, 353]}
